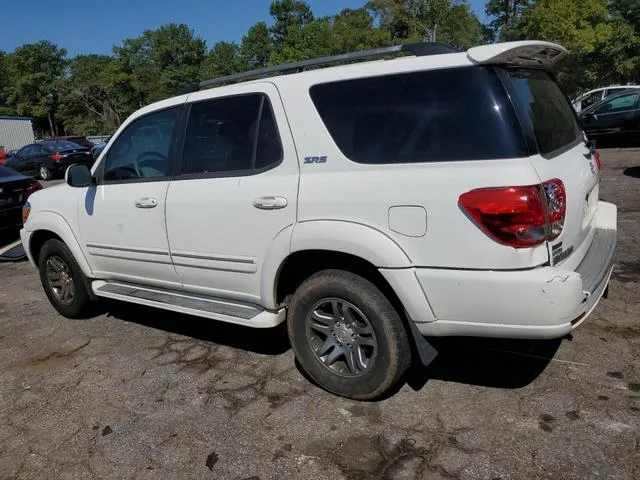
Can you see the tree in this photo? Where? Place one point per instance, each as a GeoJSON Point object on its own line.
{"type": "Point", "coordinates": [354, 30]}
{"type": "Point", "coordinates": [223, 59]}
{"type": "Point", "coordinates": [288, 14]}
{"type": "Point", "coordinates": [90, 101]}
{"type": "Point", "coordinates": [601, 47]}
{"type": "Point", "coordinates": [34, 71]}
{"type": "Point", "coordinates": [160, 62]}
{"type": "Point", "coordinates": [4, 80]}
{"type": "Point", "coordinates": [257, 45]}
{"type": "Point", "coordinates": [506, 16]}
{"type": "Point", "coordinates": [450, 21]}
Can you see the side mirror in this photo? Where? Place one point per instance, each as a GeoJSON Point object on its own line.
{"type": "Point", "coordinates": [78, 176]}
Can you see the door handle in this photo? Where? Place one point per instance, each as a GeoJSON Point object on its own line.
{"type": "Point", "coordinates": [270, 203]}
{"type": "Point", "coordinates": [146, 202]}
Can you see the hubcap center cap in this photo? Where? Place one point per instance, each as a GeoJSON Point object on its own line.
{"type": "Point", "coordinates": [343, 334]}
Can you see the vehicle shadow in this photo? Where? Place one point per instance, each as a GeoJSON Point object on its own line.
{"type": "Point", "coordinates": [497, 363]}
{"type": "Point", "coordinates": [632, 172]}
{"type": "Point", "coordinates": [265, 341]}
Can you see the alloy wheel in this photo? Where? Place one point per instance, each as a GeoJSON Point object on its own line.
{"type": "Point", "coordinates": [60, 280]}
{"type": "Point", "coordinates": [341, 337]}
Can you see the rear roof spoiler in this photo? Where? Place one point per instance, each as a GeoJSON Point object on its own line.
{"type": "Point", "coordinates": [528, 52]}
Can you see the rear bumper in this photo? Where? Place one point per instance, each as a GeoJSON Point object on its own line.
{"type": "Point", "coordinates": [546, 302]}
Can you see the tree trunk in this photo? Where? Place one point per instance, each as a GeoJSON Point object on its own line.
{"type": "Point", "coordinates": [52, 125]}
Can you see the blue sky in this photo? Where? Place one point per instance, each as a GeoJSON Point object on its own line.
{"type": "Point", "coordinates": [94, 26]}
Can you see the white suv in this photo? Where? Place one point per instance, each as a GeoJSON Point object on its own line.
{"type": "Point", "coordinates": [369, 205]}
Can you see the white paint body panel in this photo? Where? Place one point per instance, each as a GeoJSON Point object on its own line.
{"type": "Point", "coordinates": [207, 237]}
{"type": "Point", "coordinates": [219, 239]}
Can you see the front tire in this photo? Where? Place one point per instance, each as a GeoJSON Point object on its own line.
{"type": "Point", "coordinates": [347, 336]}
{"type": "Point", "coordinates": [63, 281]}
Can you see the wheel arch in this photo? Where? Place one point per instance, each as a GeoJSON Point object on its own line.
{"type": "Point", "coordinates": [47, 225]}
{"type": "Point", "coordinates": [344, 243]}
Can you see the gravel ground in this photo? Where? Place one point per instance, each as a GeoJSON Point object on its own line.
{"type": "Point", "coordinates": [138, 393]}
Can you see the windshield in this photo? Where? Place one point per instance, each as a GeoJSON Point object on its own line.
{"type": "Point", "coordinates": [540, 101]}
{"type": "Point", "coordinates": [60, 145]}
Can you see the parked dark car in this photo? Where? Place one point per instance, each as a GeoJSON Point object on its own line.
{"type": "Point", "coordinates": [614, 121]}
{"type": "Point", "coordinates": [49, 159]}
{"type": "Point", "coordinates": [15, 188]}
{"type": "Point", "coordinates": [77, 139]}
{"type": "Point", "coordinates": [96, 150]}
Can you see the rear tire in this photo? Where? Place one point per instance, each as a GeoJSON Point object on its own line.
{"type": "Point", "coordinates": [347, 336]}
{"type": "Point", "coordinates": [63, 281]}
{"type": "Point", "coordinates": [44, 173]}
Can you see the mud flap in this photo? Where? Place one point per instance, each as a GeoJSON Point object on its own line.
{"type": "Point", "coordinates": [425, 350]}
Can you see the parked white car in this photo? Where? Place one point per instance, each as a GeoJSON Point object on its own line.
{"type": "Point", "coordinates": [594, 96]}
{"type": "Point", "coordinates": [369, 205]}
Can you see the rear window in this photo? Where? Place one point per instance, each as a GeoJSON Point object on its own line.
{"type": "Point", "coordinates": [60, 145]}
{"type": "Point", "coordinates": [541, 102]}
{"type": "Point", "coordinates": [432, 116]}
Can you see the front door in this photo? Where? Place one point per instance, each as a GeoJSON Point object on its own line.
{"type": "Point", "coordinates": [236, 193]}
{"type": "Point", "coordinates": [122, 219]}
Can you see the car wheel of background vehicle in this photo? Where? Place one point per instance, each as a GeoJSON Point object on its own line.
{"type": "Point", "coordinates": [44, 173]}
{"type": "Point", "coordinates": [63, 281]}
{"type": "Point", "coordinates": [347, 336]}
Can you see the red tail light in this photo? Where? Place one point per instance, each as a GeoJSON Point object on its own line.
{"type": "Point", "coordinates": [518, 216]}
{"type": "Point", "coordinates": [34, 186]}
{"type": "Point", "coordinates": [556, 199]}
{"type": "Point", "coordinates": [596, 158]}
{"type": "Point", "coordinates": [56, 157]}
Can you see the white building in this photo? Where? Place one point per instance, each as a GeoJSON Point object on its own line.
{"type": "Point", "coordinates": [15, 132]}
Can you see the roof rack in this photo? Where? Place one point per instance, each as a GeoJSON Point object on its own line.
{"type": "Point", "coordinates": [417, 49]}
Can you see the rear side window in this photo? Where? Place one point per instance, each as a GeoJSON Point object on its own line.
{"type": "Point", "coordinates": [431, 116]}
{"type": "Point", "coordinates": [541, 102]}
{"type": "Point", "coordinates": [231, 134]}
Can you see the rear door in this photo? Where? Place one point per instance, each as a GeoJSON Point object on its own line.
{"type": "Point", "coordinates": [236, 192]}
{"type": "Point", "coordinates": [550, 122]}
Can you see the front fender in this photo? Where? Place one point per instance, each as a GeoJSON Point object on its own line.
{"type": "Point", "coordinates": [55, 223]}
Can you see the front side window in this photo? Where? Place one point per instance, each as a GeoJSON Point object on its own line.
{"type": "Point", "coordinates": [432, 116]}
{"type": "Point", "coordinates": [619, 104]}
{"type": "Point", "coordinates": [142, 150]}
{"type": "Point", "coordinates": [231, 134]}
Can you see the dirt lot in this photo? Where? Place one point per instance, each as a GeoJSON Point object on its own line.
{"type": "Point", "coordinates": [138, 393]}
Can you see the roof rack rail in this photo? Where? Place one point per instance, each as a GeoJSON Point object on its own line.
{"type": "Point", "coordinates": [417, 49]}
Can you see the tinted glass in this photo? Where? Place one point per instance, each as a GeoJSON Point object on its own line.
{"type": "Point", "coordinates": [7, 172]}
{"type": "Point", "coordinates": [269, 148]}
{"type": "Point", "coordinates": [221, 136]}
{"type": "Point", "coordinates": [60, 145]}
{"type": "Point", "coordinates": [619, 104]}
{"type": "Point", "coordinates": [591, 99]}
{"type": "Point", "coordinates": [541, 101]}
{"type": "Point", "coordinates": [27, 150]}
{"type": "Point", "coordinates": [433, 116]}
{"type": "Point", "coordinates": [142, 150]}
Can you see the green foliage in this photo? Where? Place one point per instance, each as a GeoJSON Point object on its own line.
{"type": "Point", "coordinates": [224, 59]}
{"type": "Point", "coordinates": [448, 21]}
{"type": "Point", "coordinates": [91, 94]}
{"type": "Point", "coordinates": [289, 15]}
{"type": "Point", "coordinates": [159, 62]}
{"type": "Point", "coordinates": [34, 71]}
{"type": "Point", "coordinates": [257, 45]}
